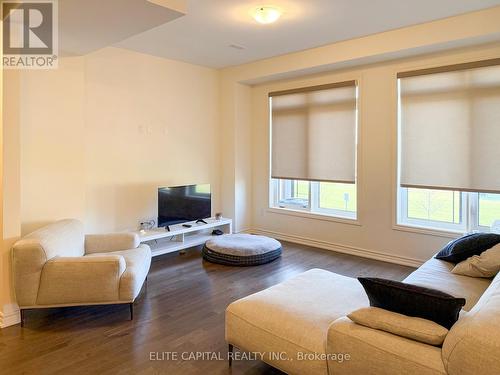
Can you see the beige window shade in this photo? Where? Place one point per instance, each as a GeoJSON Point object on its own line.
{"type": "Point", "coordinates": [450, 130]}
{"type": "Point", "coordinates": [314, 133]}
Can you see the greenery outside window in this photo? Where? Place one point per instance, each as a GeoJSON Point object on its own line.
{"type": "Point", "coordinates": [326, 198]}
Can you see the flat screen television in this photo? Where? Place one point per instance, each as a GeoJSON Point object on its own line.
{"type": "Point", "coordinates": [179, 204]}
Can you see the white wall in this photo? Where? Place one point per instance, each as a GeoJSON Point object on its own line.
{"type": "Point", "coordinates": [52, 174]}
{"type": "Point", "coordinates": [243, 183]}
{"type": "Point", "coordinates": [101, 133]}
{"type": "Point", "coordinates": [148, 122]}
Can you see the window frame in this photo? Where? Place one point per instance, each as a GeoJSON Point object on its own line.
{"type": "Point", "coordinates": [404, 220]}
{"type": "Point", "coordinates": [469, 212]}
{"type": "Point", "coordinates": [475, 214]}
{"type": "Point", "coordinates": [280, 188]}
{"type": "Point", "coordinates": [315, 203]}
{"type": "Point", "coordinates": [313, 206]}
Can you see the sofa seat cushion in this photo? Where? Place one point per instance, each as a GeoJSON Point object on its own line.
{"type": "Point", "coordinates": [436, 274]}
{"type": "Point", "coordinates": [473, 344]}
{"type": "Point", "coordinates": [375, 352]}
{"type": "Point", "coordinates": [137, 262]}
{"type": "Point", "coordinates": [293, 316]}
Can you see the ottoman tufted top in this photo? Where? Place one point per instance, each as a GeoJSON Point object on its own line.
{"type": "Point", "coordinates": [242, 244]}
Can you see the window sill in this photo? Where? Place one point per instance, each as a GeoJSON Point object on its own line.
{"type": "Point", "coordinates": [445, 233]}
{"type": "Point", "coordinates": [313, 215]}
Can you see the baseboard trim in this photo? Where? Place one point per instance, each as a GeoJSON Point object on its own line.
{"type": "Point", "coordinates": [351, 250]}
{"type": "Point", "coordinates": [245, 230]}
{"type": "Point", "coordinates": [10, 318]}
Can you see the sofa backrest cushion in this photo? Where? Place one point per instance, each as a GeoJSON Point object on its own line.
{"type": "Point", "coordinates": [437, 274]}
{"type": "Point", "coordinates": [64, 238]}
{"type": "Point", "coordinates": [413, 300]}
{"type": "Point", "coordinates": [473, 343]}
{"type": "Point", "coordinates": [464, 247]}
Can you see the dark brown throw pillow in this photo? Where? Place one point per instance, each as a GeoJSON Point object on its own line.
{"type": "Point", "coordinates": [413, 300]}
{"type": "Point", "coordinates": [464, 247]}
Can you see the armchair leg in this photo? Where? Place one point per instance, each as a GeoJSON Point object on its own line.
{"type": "Point", "coordinates": [22, 317]}
{"type": "Point", "coordinates": [230, 354]}
{"type": "Point", "coordinates": [131, 306]}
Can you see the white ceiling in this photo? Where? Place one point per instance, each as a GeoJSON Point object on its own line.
{"type": "Point", "coordinates": [88, 25]}
{"type": "Point", "coordinates": [205, 34]}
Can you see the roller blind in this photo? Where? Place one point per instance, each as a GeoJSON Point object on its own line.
{"type": "Point", "coordinates": [450, 128]}
{"type": "Point", "coordinates": [314, 133]}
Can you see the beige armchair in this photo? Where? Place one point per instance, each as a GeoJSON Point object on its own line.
{"type": "Point", "coordinates": [59, 265]}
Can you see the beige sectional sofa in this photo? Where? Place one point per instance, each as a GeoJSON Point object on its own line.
{"type": "Point", "coordinates": [302, 328]}
{"type": "Point", "coordinates": [59, 265]}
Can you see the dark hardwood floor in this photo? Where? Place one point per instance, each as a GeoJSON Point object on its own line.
{"type": "Point", "coordinates": [181, 310]}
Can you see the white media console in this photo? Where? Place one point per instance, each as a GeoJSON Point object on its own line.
{"type": "Point", "coordinates": [179, 237]}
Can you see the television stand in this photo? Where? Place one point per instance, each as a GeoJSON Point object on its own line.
{"type": "Point", "coordinates": [201, 221]}
{"type": "Point", "coordinates": [179, 238]}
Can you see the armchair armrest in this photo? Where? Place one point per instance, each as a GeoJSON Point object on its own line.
{"type": "Point", "coordinates": [103, 243]}
{"type": "Point", "coordinates": [373, 351]}
{"type": "Point", "coordinates": [70, 280]}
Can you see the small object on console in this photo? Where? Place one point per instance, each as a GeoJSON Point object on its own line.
{"type": "Point", "coordinates": [147, 225]}
{"type": "Point", "coordinates": [217, 232]}
{"type": "Point", "coordinates": [187, 225]}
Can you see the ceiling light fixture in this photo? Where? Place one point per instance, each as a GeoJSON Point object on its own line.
{"type": "Point", "coordinates": [266, 14]}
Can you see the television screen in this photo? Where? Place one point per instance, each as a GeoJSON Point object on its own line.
{"type": "Point", "coordinates": [178, 204]}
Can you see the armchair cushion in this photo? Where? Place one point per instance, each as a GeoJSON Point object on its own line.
{"type": "Point", "coordinates": [109, 242]}
{"type": "Point", "coordinates": [138, 262]}
{"type": "Point", "coordinates": [70, 280]}
{"type": "Point", "coordinates": [418, 329]}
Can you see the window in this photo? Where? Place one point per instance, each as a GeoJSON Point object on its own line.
{"type": "Point", "coordinates": [449, 127]}
{"type": "Point", "coordinates": [313, 149]}
{"type": "Point", "coordinates": [327, 198]}
{"type": "Point", "coordinates": [448, 210]}
{"type": "Point", "coordinates": [440, 209]}
{"type": "Point", "coordinates": [488, 207]}
{"type": "Point", "coordinates": [292, 194]}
